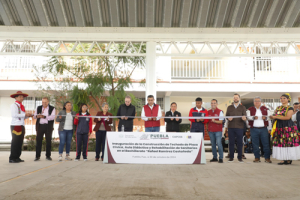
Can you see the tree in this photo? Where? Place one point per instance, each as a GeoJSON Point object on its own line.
{"type": "Point", "coordinates": [97, 76]}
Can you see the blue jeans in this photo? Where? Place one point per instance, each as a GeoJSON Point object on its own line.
{"type": "Point", "coordinates": [236, 134]}
{"type": "Point", "coordinates": [263, 136]}
{"type": "Point", "coordinates": [216, 139]}
{"type": "Point", "coordinates": [65, 137]}
{"type": "Point", "coordinates": [152, 129]}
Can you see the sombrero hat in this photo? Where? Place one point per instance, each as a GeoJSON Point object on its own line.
{"type": "Point", "coordinates": [18, 93]}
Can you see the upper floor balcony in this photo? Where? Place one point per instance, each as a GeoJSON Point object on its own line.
{"type": "Point", "coordinates": [230, 70]}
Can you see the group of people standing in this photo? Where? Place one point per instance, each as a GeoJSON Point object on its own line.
{"type": "Point", "coordinates": [284, 133]}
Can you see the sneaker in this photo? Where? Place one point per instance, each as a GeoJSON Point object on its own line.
{"type": "Point", "coordinates": [68, 158]}
{"type": "Point", "coordinates": [220, 160]}
{"type": "Point", "coordinates": [244, 157]}
{"type": "Point", "coordinates": [49, 158]}
{"type": "Point", "coordinates": [96, 159]}
{"type": "Point", "coordinates": [77, 159]}
{"type": "Point", "coordinates": [227, 156]}
{"type": "Point", "coordinates": [241, 161]}
{"type": "Point", "coordinates": [256, 160]}
{"type": "Point", "coordinates": [230, 160]}
{"type": "Point", "coordinates": [214, 160]}
{"type": "Point", "coordinates": [60, 158]}
{"type": "Point", "coordinates": [85, 159]}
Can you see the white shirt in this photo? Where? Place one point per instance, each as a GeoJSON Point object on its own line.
{"type": "Point", "coordinates": [258, 122]}
{"type": "Point", "coordinates": [235, 105]}
{"type": "Point", "coordinates": [69, 122]}
{"type": "Point", "coordinates": [294, 117]}
{"type": "Point", "coordinates": [198, 109]}
{"type": "Point", "coordinates": [17, 118]}
{"type": "Point", "coordinates": [151, 107]}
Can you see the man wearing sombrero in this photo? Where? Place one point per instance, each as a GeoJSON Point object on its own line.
{"type": "Point", "coordinates": [17, 126]}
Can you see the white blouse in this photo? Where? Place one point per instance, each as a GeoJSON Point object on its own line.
{"type": "Point", "coordinates": [69, 122]}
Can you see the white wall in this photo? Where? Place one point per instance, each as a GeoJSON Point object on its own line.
{"type": "Point", "coordinates": [5, 118]}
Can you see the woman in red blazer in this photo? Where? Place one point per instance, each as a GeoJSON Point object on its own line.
{"type": "Point", "coordinates": [102, 125]}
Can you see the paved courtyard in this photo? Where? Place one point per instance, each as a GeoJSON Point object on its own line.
{"type": "Point", "coordinates": [95, 180]}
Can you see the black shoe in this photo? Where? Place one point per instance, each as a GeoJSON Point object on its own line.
{"type": "Point", "coordinates": [214, 160]}
{"type": "Point", "coordinates": [20, 160]}
{"type": "Point", "coordinates": [14, 161]}
{"type": "Point", "coordinates": [37, 159]}
{"type": "Point", "coordinates": [230, 160]}
{"type": "Point", "coordinates": [241, 161]}
{"type": "Point", "coordinates": [49, 158]}
{"type": "Point", "coordinates": [283, 163]}
{"type": "Point", "coordinates": [220, 160]}
{"type": "Point", "coordinates": [289, 162]}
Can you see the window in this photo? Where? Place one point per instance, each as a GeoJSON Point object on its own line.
{"type": "Point", "coordinates": [29, 103]}
{"type": "Point", "coordinates": [38, 101]}
{"type": "Point", "coordinates": [272, 104]}
{"type": "Point", "coordinates": [159, 101]}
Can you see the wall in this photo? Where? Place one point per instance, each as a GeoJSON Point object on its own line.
{"type": "Point", "coordinates": [5, 118]}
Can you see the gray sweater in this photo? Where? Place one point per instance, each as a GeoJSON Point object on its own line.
{"type": "Point", "coordinates": [63, 119]}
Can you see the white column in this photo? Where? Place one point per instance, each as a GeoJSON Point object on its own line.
{"type": "Point", "coordinates": [151, 69]}
{"type": "Point", "coordinates": [167, 103]}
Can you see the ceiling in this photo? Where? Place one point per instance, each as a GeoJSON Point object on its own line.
{"type": "Point", "coordinates": [151, 13]}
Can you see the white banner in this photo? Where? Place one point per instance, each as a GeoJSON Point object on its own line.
{"type": "Point", "coordinates": [154, 148]}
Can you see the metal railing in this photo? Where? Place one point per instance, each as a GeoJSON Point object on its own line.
{"type": "Point", "coordinates": [257, 69]}
{"type": "Point", "coordinates": [237, 69]}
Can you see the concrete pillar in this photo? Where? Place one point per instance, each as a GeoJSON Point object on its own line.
{"type": "Point", "coordinates": [151, 69]}
{"type": "Point", "coordinates": [167, 103]}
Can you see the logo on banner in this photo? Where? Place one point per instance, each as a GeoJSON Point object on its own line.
{"type": "Point", "coordinates": [159, 136]}
{"type": "Point", "coordinates": [189, 137]}
{"type": "Point", "coordinates": [144, 137]}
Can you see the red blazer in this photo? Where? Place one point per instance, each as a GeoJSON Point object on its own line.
{"type": "Point", "coordinates": [98, 123]}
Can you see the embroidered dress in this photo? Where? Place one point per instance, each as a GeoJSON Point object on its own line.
{"type": "Point", "coordinates": [286, 137]}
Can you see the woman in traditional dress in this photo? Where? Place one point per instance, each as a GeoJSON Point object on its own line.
{"type": "Point", "coordinates": [285, 134]}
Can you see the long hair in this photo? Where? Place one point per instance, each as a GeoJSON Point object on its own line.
{"type": "Point", "coordinates": [80, 110]}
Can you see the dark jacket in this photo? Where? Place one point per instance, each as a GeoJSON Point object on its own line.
{"type": "Point", "coordinates": [84, 124]}
{"type": "Point", "coordinates": [298, 120]}
{"type": "Point", "coordinates": [239, 111]}
{"type": "Point", "coordinates": [172, 125]}
{"type": "Point", "coordinates": [98, 123]}
{"type": "Point", "coordinates": [198, 126]}
{"type": "Point", "coordinates": [63, 119]}
{"type": "Point", "coordinates": [126, 111]}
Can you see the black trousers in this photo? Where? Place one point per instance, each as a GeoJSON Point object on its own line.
{"type": "Point", "coordinates": [100, 143]}
{"type": "Point", "coordinates": [129, 129]}
{"type": "Point", "coordinates": [44, 129]}
{"type": "Point", "coordinates": [82, 139]}
{"type": "Point", "coordinates": [16, 143]}
{"type": "Point", "coordinates": [235, 134]}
